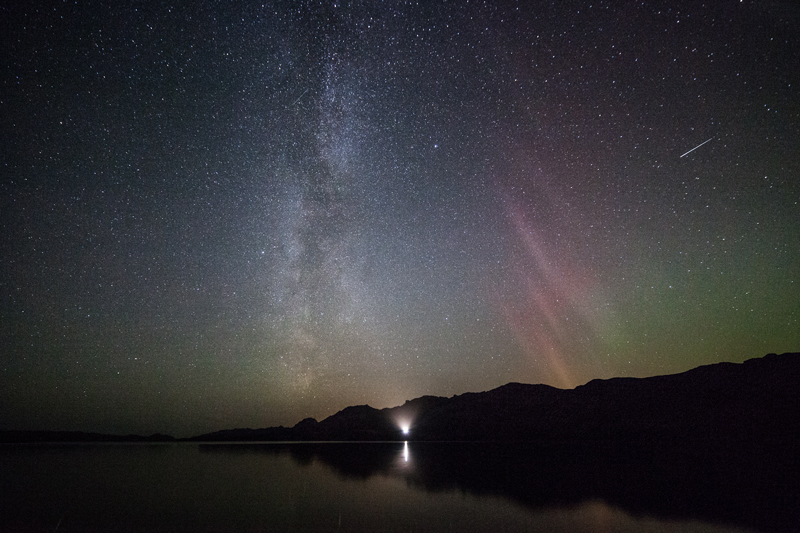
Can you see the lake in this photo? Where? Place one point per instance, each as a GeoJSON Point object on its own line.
{"type": "Point", "coordinates": [402, 487]}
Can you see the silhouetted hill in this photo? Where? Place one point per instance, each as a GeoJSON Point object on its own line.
{"type": "Point", "coordinates": [757, 399]}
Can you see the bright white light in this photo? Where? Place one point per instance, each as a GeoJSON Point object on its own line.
{"type": "Point", "coordinates": [405, 451]}
{"type": "Point", "coordinates": [405, 429]}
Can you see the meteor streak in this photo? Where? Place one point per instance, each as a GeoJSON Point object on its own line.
{"type": "Point", "coordinates": [695, 148]}
{"type": "Point", "coordinates": [299, 97]}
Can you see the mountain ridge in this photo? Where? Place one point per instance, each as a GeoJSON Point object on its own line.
{"type": "Point", "coordinates": [714, 403]}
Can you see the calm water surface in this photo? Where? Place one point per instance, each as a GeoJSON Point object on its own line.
{"type": "Point", "coordinates": [291, 487]}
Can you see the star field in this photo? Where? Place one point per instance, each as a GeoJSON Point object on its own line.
{"type": "Point", "coordinates": [242, 215]}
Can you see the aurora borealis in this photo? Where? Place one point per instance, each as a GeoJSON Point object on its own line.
{"type": "Point", "coordinates": [219, 215]}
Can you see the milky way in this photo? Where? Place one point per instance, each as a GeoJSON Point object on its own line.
{"type": "Point", "coordinates": [243, 216]}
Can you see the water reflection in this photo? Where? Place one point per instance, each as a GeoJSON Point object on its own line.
{"type": "Point", "coordinates": [741, 486]}
{"type": "Point", "coordinates": [397, 486]}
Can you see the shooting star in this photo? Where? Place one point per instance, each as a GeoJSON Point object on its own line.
{"type": "Point", "coordinates": [299, 97]}
{"type": "Point", "coordinates": [695, 148]}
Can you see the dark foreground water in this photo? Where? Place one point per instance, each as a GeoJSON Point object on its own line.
{"type": "Point", "coordinates": [388, 487]}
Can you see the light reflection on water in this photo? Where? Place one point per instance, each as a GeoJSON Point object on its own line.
{"type": "Point", "coordinates": [294, 487]}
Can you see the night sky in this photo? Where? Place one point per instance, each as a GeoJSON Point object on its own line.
{"type": "Point", "coordinates": [218, 215]}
